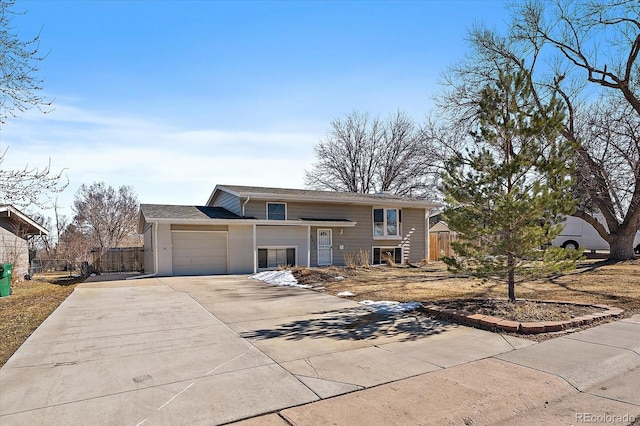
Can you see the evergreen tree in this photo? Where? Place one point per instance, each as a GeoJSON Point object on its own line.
{"type": "Point", "coordinates": [508, 195]}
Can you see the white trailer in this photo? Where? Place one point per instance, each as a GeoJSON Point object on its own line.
{"type": "Point", "coordinates": [578, 233]}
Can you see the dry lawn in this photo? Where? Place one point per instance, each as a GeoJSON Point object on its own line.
{"type": "Point", "coordinates": [594, 281]}
{"type": "Point", "coordinates": [29, 305]}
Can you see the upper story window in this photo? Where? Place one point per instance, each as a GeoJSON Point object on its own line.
{"type": "Point", "coordinates": [387, 222]}
{"type": "Point", "coordinates": [276, 211]}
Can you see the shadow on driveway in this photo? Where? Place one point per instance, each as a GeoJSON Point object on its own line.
{"type": "Point", "coordinates": [354, 324]}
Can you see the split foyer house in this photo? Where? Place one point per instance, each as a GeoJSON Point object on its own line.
{"type": "Point", "coordinates": [245, 229]}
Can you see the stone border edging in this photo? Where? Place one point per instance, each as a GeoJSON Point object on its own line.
{"type": "Point", "coordinates": [488, 322]}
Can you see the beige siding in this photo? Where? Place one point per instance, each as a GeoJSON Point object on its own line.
{"type": "Point", "coordinates": [414, 220]}
{"type": "Point", "coordinates": [14, 250]}
{"type": "Point", "coordinates": [257, 209]}
{"type": "Point", "coordinates": [324, 211]}
{"type": "Point", "coordinates": [164, 256]}
{"type": "Point", "coordinates": [295, 211]}
{"type": "Point", "coordinates": [199, 228]}
{"type": "Point", "coordinates": [241, 249]}
{"type": "Point", "coordinates": [149, 256]}
{"type": "Point", "coordinates": [284, 236]}
{"type": "Point", "coordinates": [351, 239]}
{"type": "Point", "coordinates": [228, 201]}
{"type": "Point", "coordinates": [359, 237]}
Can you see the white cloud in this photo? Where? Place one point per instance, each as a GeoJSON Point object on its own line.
{"type": "Point", "coordinates": [163, 163]}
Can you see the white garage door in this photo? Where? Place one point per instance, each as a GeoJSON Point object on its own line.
{"type": "Point", "coordinates": [199, 253]}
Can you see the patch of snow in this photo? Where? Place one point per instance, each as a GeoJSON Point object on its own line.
{"type": "Point", "coordinates": [390, 307]}
{"type": "Point", "coordinates": [282, 278]}
{"type": "Point", "coordinates": [345, 294]}
{"type": "Point", "coordinates": [339, 278]}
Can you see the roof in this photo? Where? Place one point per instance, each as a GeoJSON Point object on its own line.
{"type": "Point", "coordinates": [163, 211]}
{"type": "Point", "coordinates": [441, 226]}
{"type": "Point", "coordinates": [203, 215]}
{"type": "Point", "coordinates": [27, 226]}
{"type": "Point", "coordinates": [284, 194]}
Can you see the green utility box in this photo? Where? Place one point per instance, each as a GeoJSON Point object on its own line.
{"type": "Point", "coordinates": [5, 279]}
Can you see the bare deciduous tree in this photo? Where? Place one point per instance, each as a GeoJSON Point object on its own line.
{"type": "Point", "coordinates": [105, 217]}
{"type": "Point", "coordinates": [73, 245]}
{"type": "Point", "coordinates": [585, 54]}
{"type": "Point", "coordinates": [19, 84]}
{"type": "Point", "coordinates": [48, 246]}
{"type": "Point", "coordinates": [29, 186]}
{"type": "Point", "coordinates": [346, 158]}
{"type": "Point", "coordinates": [20, 90]}
{"type": "Point", "coordinates": [373, 155]}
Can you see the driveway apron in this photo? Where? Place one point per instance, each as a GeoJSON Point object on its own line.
{"type": "Point", "coordinates": [134, 353]}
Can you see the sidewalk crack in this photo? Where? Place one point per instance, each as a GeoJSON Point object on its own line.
{"type": "Point", "coordinates": [310, 364]}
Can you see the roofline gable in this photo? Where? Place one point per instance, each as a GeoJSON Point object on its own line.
{"type": "Point", "coordinates": [219, 188]}
{"type": "Point", "coordinates": [12, 211]}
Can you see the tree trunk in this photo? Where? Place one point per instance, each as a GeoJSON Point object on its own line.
{"type": "Point", "coordinates": [621, 247]}
{"type": "Point", "coordinates": [511, 277]}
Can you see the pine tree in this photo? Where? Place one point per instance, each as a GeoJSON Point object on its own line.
{"type": "Point", "coordinates": [508, 194]}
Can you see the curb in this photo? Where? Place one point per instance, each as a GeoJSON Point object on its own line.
{"type": "Point", "coordinates": [488, 322]}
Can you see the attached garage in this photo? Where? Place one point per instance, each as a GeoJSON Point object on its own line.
{"type": "Point", "coordinates": [199, 252]}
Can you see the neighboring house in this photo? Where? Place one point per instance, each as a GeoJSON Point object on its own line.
{"type": "Point", "coordinates": [15, 229]}
{"type": "Point", "coordinates": [245, 229]}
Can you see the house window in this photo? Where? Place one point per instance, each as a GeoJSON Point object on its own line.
{"type": "Point", "coordinates": [381, 254]}
{"type": "Point", "coordinates": [276, 211]}
{"type": "Point", "coordinates": [274, 257]}
{"type": "Point", "coordinates": [387, 222]}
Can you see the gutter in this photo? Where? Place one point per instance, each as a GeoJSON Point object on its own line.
{"type": "Point", "coordinates": [245, 203]}
{"type": "Point", "coordinates": [259, 222]}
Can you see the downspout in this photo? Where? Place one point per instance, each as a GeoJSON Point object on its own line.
{"type": "Point", "coordinates": [253, 231]}
{"type": "Point", "coordinates": [245, 203]}
{"type": "Point", "coordinates": [427, 240]}
{"type": "Point", "coordinates": [309, 246]}
{"type": "Point", "coordinates": [155, 255]}
{"type": "Point", "coordinates": [155, 249]}
{"type": "Point", "coordinates": [255, 250]}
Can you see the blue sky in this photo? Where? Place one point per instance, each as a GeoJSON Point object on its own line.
{"type": "Point", "coordinates": [174, 97]}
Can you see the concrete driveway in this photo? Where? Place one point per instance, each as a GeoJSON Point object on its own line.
{"type": "Point", "coordinates": [214, 350]}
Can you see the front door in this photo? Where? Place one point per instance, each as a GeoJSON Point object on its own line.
{"type": "Point", "coordinates": [325, 247]}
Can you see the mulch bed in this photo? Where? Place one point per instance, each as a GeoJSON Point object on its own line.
{"type": "Point", "coordinates": [521, 310]}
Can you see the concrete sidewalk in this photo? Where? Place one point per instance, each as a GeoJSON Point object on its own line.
{"type": "Point", "coordinates": [591, 377]}
{"type": "Point", "coordinates": [214, 350]}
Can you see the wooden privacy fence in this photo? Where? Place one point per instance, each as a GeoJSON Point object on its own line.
{"type": "Point", "coordinates": [118, 259]}
{"type": "Point", "coordinates": [440, 245]}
